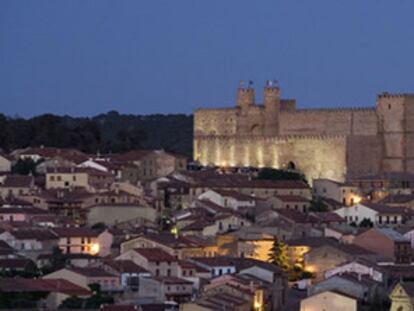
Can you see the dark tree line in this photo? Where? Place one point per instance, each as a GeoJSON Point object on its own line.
{"type": "Point", "coordinates": [111, 132]}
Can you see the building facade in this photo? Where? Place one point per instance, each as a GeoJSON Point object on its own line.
{"type": "Point", "coordinates": [338, 144]}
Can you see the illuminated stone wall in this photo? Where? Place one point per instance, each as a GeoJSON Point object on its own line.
{"type": "Point", "coordinates": [328, 143]}
{"type": "Point", "coordinates": [315, 156]}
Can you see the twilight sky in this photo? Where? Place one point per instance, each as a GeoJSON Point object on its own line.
{"type": "Point", "coordinates": [83, 57]}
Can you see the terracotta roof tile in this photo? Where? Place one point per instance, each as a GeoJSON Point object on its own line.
{"type": "Point", "coordinates": [154, 254]}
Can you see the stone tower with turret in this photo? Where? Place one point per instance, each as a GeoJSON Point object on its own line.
{"type": "Point", "coordinates": [396, 129]}
{"type": "Point", "coordinates": [339, 143]}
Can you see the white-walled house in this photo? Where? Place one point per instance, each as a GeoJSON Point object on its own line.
{"type": "Point", "coordinates": [378, 214]}
{"type": "Point", "coordinates": [357, 266]}
{"type": "Point", "coordinates": [227, 198]}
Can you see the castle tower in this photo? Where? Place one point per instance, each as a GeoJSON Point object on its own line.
{"type": "Point", "coordinates": [396, 127]}
{"type": "Point", "coordinates": [245, 96]}
{"type": "Point", "coordinates": [271, 102]}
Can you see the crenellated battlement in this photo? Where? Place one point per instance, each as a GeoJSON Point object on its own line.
{"type": "Point", "coordinates": [322, 142]}
{"type": "Point", "coordinates": [394, 95]}
{"type": "Point", "coordinates": [280, 138]}
{"type": "Point", "coordinates": [337, 109]}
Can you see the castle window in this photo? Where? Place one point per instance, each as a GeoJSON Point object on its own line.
{"type": "Point", "coordinates": [389, 106]}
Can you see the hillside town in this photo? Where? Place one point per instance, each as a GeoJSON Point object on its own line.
{"type": "Point", "coordinates": [151, 230]}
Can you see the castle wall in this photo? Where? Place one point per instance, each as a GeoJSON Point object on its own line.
{"type": "Point", "coordinates": [215, 121]}
{"type": "Point", "coordinates": [363, 155]}
{"type": "Point", "coordinates": [315, 156]}
{"type": "Point", "coordinates": [329, 122]}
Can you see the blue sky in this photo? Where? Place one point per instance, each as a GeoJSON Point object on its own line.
{"type": "Point", "coordinates": [83, 57]}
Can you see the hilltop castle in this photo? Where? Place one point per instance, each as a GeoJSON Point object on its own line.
{"type": "Point", "coordinates": [340, 144]}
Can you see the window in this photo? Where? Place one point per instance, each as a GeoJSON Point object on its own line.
{"type": "Point", "coordinates": [59, 178]}
{"type": "Point", "coordinates": [184, 273]}
{"type": "Point", "coordinates": [168, 272]}
{"type": "Point", "coordinates": [52, 178]}
{"type": "Point", "coordinates": [157, 272]}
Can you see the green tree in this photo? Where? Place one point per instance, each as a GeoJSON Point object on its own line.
{"type": "Point", "coordinates": [317, 205]}
{"type": "Point", "coordinates": [366, 223]}
{"type": "Point", "coordinates": [57, 261]}
{"type": "Point", "coordinates": [279, 254]}
{"type": "Point", "coordinates": [268, 173]}
{"type": "Point", "coordinates": [24, 167]}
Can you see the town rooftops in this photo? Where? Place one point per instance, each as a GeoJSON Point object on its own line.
{"type": "Point", "coordinates": [14, 264]}
{"type": "Point", "coordinates": [233, 194]}
{"type": "Point", "coordinates": [392, 234]}
{"type": "Point", "coordinates": [91, 272]}
{"type": "Point", "coordinates": [237, 262]}
{"type": "Point", "coordinates": [34, 234]}
{"type": "Point", "coordinates": [76, 232]}
{"type": "Point", "coordinates": [23, 210]}
{"type": "Point", "coordinates": [77, 170]}
{"type": "Point", "coordinates": [18, 181]}
{"type": "Point", "coordinates": [124, 266]}
{"type": "Point", "coordinates": [170, 280]}
{"type": "Point", "coordinates": [170, 240]}
{"type": "Point", "coordinates": [251, 183]}
{"type": "Point", "coordinates": [384, 209]}
{"type": "Point", "coordinates": [397, 199]}
{"type": "Point", "coordinates": [20, 285]}
{"type": "Point", "coordinates": [409, 288]}
{"type": "Point", "coordinates": [292, 198]}
{"type": "Point", "coordinates": [120, 308]}
{"type": "Point", "coordinates": [154, 254]}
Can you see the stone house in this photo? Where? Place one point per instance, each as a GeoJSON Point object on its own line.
{"type": "Point", "coordinates": [320, 259]}
{"type": "Point", "coordinates": [363, 288]}
{"type": "Point", "coordinates": [329, 300]}
{"type": "Point", "coordinates": [129, 273]}
{"type": "Point", "coordinates": [386, 242]}
{"type": "Point", "coordinates": [114, 213]}
{"type": "Point", "coordinates": [79, 240]}
{"type": "Point", "coordinates": [5, 163]}
{"type": "Point", "coordinates": [161, 289]}
{"type": "Point", "coordinates": [177, 246]}
{"type": "Point", "coordinates": [293, 202]}
{"type": "Point", "coordinates": [30, 242]}
{"type": "Point", "coordinates": [16, 185]}
{"type": "Point", "coordinates": [158, 262]}
{"type": "Point", "coordinates": [87, 178]}
{"type": "Point", "coordinates": [86, 276]}
{"type": "Point", "coordinates": [346, 194]}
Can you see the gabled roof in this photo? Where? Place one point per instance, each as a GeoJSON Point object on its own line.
{"type": "Point", "coordinates": [409, 288]}
{"type": "Point", "coordinates": [34, 234]}
{"type": "Point", "coordinates": [14, 263]}
{"type": "Point", "coordinates": [124, 266]}
{"type": "Point", "coordinates": [18, 181]}
{"type": "Point", "coordinates": [91, 272]}
{"type": "Point", "coordinates": [292, 198]}
{"type": "Point", "coordinates": [76, 232]}
{"type": "Point", "coordinates": [42, 285]}
{"type": "Point", "coordinates": [171, 280]}
{"type": "Point", "coordinates": [238, 262]}
{"type": "Point", "coordinates": [397, 199]}
{"type": "Point", "coordinates": [154, 254]}
{"type": "Point", "coordinates": [233, 194]}
{"type": "Point", "coordinates": [384, 209]}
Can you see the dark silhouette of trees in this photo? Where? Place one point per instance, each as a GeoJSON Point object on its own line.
{"type": "Point", "coordinates": [110, 132]}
